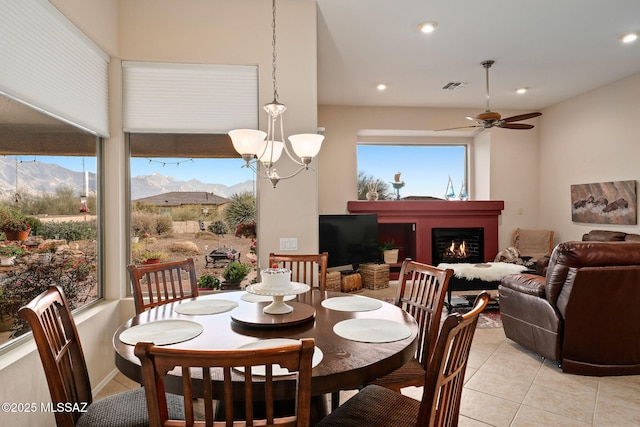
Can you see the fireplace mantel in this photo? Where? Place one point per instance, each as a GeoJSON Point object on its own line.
{"type": "Point", "coordinates": [424, 215]}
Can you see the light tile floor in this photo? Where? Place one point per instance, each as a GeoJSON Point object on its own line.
{"type": "Point", "coordinates": [506, 385]}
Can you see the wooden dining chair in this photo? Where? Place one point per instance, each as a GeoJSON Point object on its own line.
{"type": "Point", "coordinates": [56, 337]}
{"type": "Point", "coordinates": [308, 269]}
{"type": "Point", "coordinates": [222, 365]}
{"type": "Point", "coordinates": [377, 406]}
{"type": "Point", "coordinates": [157, 284]}
{"type": "Point", "coordinates": [421, 292]}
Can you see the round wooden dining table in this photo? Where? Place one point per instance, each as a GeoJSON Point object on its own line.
{"type": "Point", "coordinates": [346, 364]}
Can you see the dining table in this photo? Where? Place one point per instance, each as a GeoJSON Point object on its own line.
{"type": "Point", "coordinates": [357, 338]}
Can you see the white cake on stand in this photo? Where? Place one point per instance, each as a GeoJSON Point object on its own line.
{"type": "Point", "coordinates": [276, 282]}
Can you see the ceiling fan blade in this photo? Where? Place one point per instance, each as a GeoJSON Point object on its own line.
{"type": "Point", "coordinates": [515, 126]}
{"type": "Point", "coordinates": [521, 117]}
{"type": "Point", "coordinates": [460, 127]}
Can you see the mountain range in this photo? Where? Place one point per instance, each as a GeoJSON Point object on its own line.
{"type": "Point", "coordinates": [36, 177]}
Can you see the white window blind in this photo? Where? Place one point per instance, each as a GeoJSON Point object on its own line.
{"type": "Point", "coordinates": [189, 98]}
{"type": "Point", "coordinates": [48, 63]}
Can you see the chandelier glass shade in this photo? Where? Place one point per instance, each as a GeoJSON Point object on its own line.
{"type": "Point", "coordinates": [258, 147]}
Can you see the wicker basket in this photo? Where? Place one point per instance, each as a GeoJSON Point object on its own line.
{"type": "Point", "coordinates": [375, 276]}
{"type": "Point", "coordinates": [334, 281]}
{"type": "Point", "coordinates": [351, 283]}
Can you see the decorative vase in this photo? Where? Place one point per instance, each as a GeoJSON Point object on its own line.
{"type": "Point", "coordinates": [372, 195]}
{"type": "Point", "coordinates": [17, 235]}
{"type": "Point", "coordinates": [463, 193]}
{"type": "Point", "coordinates": [225, 286]}
{"type": "Point", "coordinates": [450, 194]}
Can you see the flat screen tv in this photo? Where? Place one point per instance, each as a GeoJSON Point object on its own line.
{"type": "Point", "coordinates": [349, 239]}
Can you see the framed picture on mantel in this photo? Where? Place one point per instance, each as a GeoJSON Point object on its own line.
{"type": "Point", "coordinates": [604, 203]}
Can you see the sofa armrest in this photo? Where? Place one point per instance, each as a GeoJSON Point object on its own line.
{"type": "Point", "coordinates": [530, 284]}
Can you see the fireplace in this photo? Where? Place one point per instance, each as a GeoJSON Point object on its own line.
{"type": "Point", "coordinates": [454, 245]}
{"type": "Point", "coordinates": [410, 224]}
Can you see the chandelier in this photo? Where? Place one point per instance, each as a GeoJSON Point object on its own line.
{"type": "Point", "coordinates": [257, 147]}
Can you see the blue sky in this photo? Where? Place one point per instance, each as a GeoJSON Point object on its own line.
{"type": "Point", "coordinates": [425, 169]}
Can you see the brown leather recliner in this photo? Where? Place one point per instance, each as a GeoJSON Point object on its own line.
{"type": "Point", "coordinates": [584, 313]}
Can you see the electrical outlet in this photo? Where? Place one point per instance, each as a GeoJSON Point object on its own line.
{"type": "Point", "coordinates": [288, 243]}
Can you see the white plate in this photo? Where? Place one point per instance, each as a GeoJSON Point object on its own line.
{"type": "Point", "coordinates": [162, 332]}
{"type": "Point", "coordinates": [352, 303]}
{"type": "Point", "coordinates": [210, 306]}
{"type": "Point", "coordinates": [262, 298]}
{"type": "Point", "coordinates": [372, 330]}
{"type": "Point", "coordinates": [276, 342]}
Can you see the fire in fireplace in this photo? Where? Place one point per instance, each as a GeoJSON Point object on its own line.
{"type": "Point", "coordinates": [453, 245]}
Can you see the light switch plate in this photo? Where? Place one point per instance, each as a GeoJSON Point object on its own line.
{"type": "Point", "coordinates": [288, 243]}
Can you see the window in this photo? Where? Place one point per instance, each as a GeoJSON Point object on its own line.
{"type": "Point", "coordinates": [190, 196]}
{"type": "Point", "coordinates": [57, 196]}
{"type": "Point", "coordinates": [425, 170]}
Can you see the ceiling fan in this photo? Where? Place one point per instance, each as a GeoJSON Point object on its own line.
{"type": "Point", "coordinates": [489, 119]}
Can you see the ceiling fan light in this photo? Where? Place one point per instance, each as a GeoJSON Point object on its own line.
{"type": "Point", "coordinates": [427, 27]}
{"type": "Point", "coordinates": [248, 141]}
{"type": "Point", "coordinates": [629, 37]}
{"type": "Point", "coordinates": [306, 145]}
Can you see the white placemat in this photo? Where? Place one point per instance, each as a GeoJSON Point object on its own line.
{"type": "Point", "coordinates": [209, 306]}
{"type": "Point", "coordinates": [275, 342]}
{"type": "Point", "coordinates": [372, 330]}
{"type": "Point", "coordinates": [262, 298]}
{"type": "Point", "coordinates": [352, 303]}
{"type": "Point", "coordinates": [162, 332]}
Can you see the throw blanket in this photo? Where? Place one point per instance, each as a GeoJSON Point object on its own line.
{"type": "Point", "coordinates": [489, 272]}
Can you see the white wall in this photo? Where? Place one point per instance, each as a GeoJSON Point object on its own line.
{"type": "Point", "coordinates": [197, 31]}
{"type": "Point", "coordinates": [504, 162]}
{"type": "Point", "coordinates": [591, 138]}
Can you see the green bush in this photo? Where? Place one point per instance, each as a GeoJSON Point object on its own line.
{"type": "Point", "coordinates": [208, 281]}
{"type": "Point", "coordinates": [241, 209]}
{"type": "Point", "coordinates": [236, 272]}
{"type": "Point", "coordinates": [68, 230]}
{"type": "Point", "coordinates": [218, 227]}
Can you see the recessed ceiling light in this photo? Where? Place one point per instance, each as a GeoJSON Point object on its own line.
{"type": "Point", "coordinates": [522, 90]}
{"type": "Point", "coordinates": [629, 37]}
{"type": "Point", "coordinates": [381, 87]}
{"type": "Point", "coordinates": [427, 26]}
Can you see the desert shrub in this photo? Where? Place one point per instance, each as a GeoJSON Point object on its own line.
{"type": "Point", "coordinates": [186, 248]}
{"type": "Point", "coordinates": [241, 209]}
{"type": "Point", "coordinates": [207, 235]}
{"type": "Point", "coordinates": [150, 223]}
{"type": "Point", "coordinates": [185, 213]}
{"type": "Point", "coordinates": [218, 227]}
{"type": "Point", "coordinates": [68, 230]}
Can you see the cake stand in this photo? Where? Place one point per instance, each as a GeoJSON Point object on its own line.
{"type": "Point", "coordinates": [278, 306]}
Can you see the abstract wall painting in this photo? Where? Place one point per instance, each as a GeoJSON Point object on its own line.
{"type": "Point", "coordinates": [604, 203]}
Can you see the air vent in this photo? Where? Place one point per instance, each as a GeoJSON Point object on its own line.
{"type": "Point", "coordinates": [453, 85]}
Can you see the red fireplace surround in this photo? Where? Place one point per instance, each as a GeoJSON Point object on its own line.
{"type": "Point", "coordinates": [409, 223]}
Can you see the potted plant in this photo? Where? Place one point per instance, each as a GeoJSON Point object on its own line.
{"type": "Point", "coordinates": [14, 224]}
{"type": "Point", "coordinates": [234, 273]}
{"type": "Point", "coordinates": [152, 257]}
{"type": "Point", "coordinates": [389, 252]}
{"type": "Point", "coordinates": [208, 283]}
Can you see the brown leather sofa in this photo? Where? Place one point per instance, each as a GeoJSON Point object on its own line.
{"type": "Point", "coordinates": [585, 313]}
{"type": "Point", "coordinates": [610, 236]}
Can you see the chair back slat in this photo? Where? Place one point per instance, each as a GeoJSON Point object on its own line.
{"type": "Point", "coordinates": [157, 284]}
{"type": "Point", "coordinates": [56, 337]}
{"type": "Point", "coordinates": [221, 366]}
{"type": "Point", "coordinates": [308, 269]}
{"type": "Point", "coordinates": [444, 380]}
{"type": "Point", "coordinates": [421, 292]}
